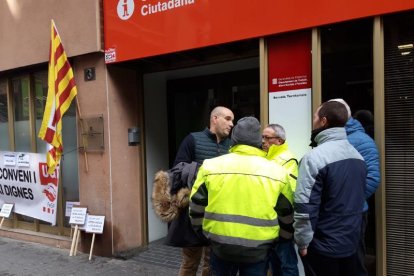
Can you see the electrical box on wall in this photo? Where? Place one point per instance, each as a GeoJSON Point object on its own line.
{"type": "Point", "coordinates": [92, 134]}
{"type": "Point", "coordinates": [134, 136]}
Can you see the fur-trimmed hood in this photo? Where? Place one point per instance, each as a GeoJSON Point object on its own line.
{"type": "Point", "coordinates": [171, 190]}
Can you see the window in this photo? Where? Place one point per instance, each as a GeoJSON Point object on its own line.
{"type": "Point", "coordinates": [28, 94]}
{"type": "Point", "coordinates": [40, 88]}
{"type": "Point", "coordinates": [20, 91]}
{"type": "Point", "coordinates": [347, 63]}
{"type": "Point", "coordinates": [399, 140]}
{"type": "Point", "coordinates": [347, 72]}
{"type": "Point", "coordinates": [4, 117]}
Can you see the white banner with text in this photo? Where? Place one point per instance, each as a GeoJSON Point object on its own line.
{"type": "Point", "coordinates": [24, 181]}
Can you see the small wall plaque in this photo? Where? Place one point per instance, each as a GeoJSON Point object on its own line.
{"type": "Point", "coordinates": [92, 134]}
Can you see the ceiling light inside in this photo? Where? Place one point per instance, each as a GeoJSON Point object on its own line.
{"type": "Point", "coordinates": [405, 46]}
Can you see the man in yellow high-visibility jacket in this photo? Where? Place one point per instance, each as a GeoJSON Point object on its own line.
{"type": "Point", "coordinates": [283, 259]}
{"type": "Point", "coordinates": [235, 203]}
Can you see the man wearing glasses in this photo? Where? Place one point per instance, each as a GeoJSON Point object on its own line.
{"type": "Point", "coordinates": [283, 259]}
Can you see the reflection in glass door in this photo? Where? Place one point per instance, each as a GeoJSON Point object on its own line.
{"type": "Point", "coordinates": [347, 73]}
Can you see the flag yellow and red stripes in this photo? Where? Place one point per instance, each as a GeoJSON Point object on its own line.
{"type": "Point", "coordinates": [61, 91]}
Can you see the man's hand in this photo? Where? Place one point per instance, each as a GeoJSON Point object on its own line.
{"type": "Point", "coordinates": [303, 252]}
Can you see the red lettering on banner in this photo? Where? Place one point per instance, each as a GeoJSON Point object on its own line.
{"type": "Point", "coordinates": [46, 178]}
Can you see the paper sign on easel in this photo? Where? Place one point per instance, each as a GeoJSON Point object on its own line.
{"type": "Point", "coordinates": [80, 228]}
{"type": "Point", "coordinates": [77, 217]}
{"type": "Point", "coordinates": [83, 226]}
{"type": "Point", "coordinates": [68, 210]}
{"type": "Point", "coordinates": [5, 212]}
{"type": "Point", "coordinates": [95, 225]}
{"type": "Point", "coordinates": [69, 206]}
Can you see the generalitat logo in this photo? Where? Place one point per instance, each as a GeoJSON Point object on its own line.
{"type": "Point", "coordinates": [125, 9]}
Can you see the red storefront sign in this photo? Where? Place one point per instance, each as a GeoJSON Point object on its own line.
{"type": "Point", "coordinates": [141, 28]}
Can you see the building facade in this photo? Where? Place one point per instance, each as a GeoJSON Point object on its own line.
{"type": "Point", "coordinates": [150, 71]}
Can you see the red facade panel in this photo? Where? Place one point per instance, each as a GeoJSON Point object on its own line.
{"type": "Point", "coordinates": [142, 28]}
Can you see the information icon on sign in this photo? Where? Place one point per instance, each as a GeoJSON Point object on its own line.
{"type": "Point", "coordinates": [125, 9]}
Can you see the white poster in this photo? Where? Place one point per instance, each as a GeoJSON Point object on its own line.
{"type": "Point", "coordinates": [69, 206]}
{"type": "Point", "coordinates": [291, 109]}
{"type": "Point", "coordinates": [95, 224]}
{"type": "Point", "coordinates": [28, 186]}
{"type": "Point", "coordinates": [6, 210]}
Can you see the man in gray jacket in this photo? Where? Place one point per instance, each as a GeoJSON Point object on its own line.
{"type": "Point", "coordinates": [329, 197]}
{"type": "Point", "coordinates": [366, 146]}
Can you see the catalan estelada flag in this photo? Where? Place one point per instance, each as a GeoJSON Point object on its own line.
{"type": "Point", "coordinates": [61, 91]}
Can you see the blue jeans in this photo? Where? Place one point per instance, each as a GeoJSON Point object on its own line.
{"type": "Point", "coordinates": [220, 267]}
{"type": "Point", "coordinates": [283, 259]}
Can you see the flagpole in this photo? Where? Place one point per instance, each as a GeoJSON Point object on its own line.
{"type": "Point", "coordinates": [83, 142]}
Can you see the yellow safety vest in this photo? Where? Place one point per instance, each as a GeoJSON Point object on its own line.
{"type": "Point", "coordinates": [234, 197]}
{"type": "Point", "coordinates": [284, 157]}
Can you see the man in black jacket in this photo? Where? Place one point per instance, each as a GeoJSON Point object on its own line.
{"type": "Point", "coordinates": [198, 146]}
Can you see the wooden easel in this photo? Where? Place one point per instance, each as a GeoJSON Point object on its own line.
{"type": "Point", "coordinates": [74, 240]}
{"type": "Point", "coordinates": [94, 225]}
{"type": "Point", "coordinates": [92, 243]}
{"type": "Point", "coordinates": [77, 217]}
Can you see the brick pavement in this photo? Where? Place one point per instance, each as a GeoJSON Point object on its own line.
{"type": "Point", "coordinates": [18, 258]}
{"type": "Point", "coordinates": [161, 255]}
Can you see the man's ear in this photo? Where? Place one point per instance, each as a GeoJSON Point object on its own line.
{"type": "Point", "coordinates": [324, 122]}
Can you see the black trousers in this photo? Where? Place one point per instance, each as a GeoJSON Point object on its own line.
{"type": "Point", "coordinates": [361, 269]}
{"type": "Point", "coordinates": [319, 265]}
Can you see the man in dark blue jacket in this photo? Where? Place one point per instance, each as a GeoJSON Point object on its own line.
{"type": "Point", "coordinates": [366, 146]}
{"type": "Point", "coordinates": [329, 197]}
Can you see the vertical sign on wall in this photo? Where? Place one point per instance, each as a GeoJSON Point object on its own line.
{"type": "Point", "coordinates": [290, 101]}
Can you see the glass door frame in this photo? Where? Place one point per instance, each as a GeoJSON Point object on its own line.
{"type": "Point", "coordinates": [378, 86]}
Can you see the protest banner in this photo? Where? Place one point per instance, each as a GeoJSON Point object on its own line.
{"type": "Point", "coordinates": [26, 183]}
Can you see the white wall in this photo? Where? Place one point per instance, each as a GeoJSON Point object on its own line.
{"type": "Point", "coordinates": [156, 137]}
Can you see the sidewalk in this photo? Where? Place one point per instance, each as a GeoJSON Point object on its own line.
{"type": "Point", "coordinates": [19, 258]}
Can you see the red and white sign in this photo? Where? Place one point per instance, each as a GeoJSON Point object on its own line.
{"type": "Point", "coordinates": [29, 186]}
{"type": "Point", "coordinates": [141, 28]}
{"type": "Point", "coordinates": [289, 82]}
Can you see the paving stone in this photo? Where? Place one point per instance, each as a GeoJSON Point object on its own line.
{"type": "Point", "coordinates": [19, 258]}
